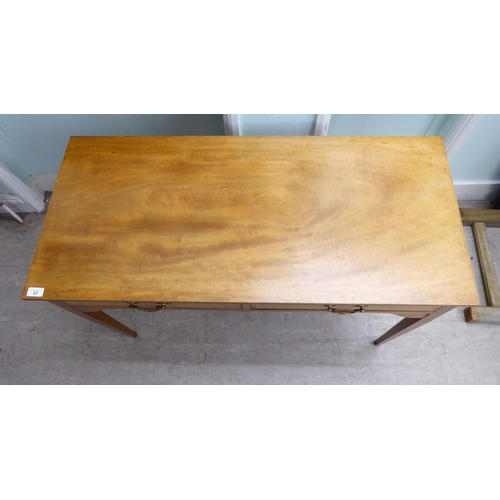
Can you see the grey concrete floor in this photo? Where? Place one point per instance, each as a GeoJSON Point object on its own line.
{"type": "Point", "coordinates": [42, 344]}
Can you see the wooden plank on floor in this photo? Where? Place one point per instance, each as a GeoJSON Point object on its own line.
{"type": "Point", "coordinates": [490, 217]}
{"type": "Point", "coordinates": [483, 314]}
{"type": "Point", "coordinates": [486, 264]}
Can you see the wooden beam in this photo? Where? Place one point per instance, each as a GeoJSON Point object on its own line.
{"type": "Point", "coordinates": [483, 314]}
{"type": "Point", "coordinates": [98, 317]}
{"type": "Point", "coordinates": [486, 264]}
{"type": "Point", "coordinates": [408, 324]}
{"type": "Point", "coordinates": [489, 216]}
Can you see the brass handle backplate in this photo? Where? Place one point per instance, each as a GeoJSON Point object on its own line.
{"type": "Point", "coordinates": [159, 306]}
{"type": "Point", "coordinates": [358, 309]}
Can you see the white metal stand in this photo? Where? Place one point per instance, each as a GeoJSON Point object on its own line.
{"type": "Point", "coordinates": [20, 190]}
{"type": "Point", "coordinates": [10, 211]}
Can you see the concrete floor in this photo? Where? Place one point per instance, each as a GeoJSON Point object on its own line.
{"type": "Point", "coordinates": [42, 344]}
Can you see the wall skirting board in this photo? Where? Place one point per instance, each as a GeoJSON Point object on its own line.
{"type": "Point", "coordinates": [465, 190]}
{"type": "Point", "coordinates": [476, 190]}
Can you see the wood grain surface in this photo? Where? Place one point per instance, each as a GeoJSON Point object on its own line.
{"type": "Point", "coordinates": [489, 216]}
{"type": "Point", "coordinates": [333, 220]}
{"type": "Point", "coordinates": [483, 314]}
{"type": "Point", "coordinates": [486, 264]}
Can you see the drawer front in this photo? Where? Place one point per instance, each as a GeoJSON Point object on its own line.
{"type": "Point", "coordinates": [401, 310]}
{"type": "Point", "coordinates": [291, 307]}
{"type": "Point", "coordinates": [152, 306]}
{"type": "Point", "coordinates": [204, 305]}
{"type": "Point", "coordinates": [340, 307]}
{"type": "Point", "coordinates": [407, 311]}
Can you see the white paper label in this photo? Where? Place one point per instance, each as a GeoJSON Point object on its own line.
{"type": "Point", "coordinates": [35, 292]}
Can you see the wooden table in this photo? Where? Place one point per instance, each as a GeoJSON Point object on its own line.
{"type": "Point", "coordinates": [326, 224]}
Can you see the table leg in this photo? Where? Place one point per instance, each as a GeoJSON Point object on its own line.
{"type": "Point", "coordinates": [408, 324]}
{"type": "Point", "coordinates": [98, 317]}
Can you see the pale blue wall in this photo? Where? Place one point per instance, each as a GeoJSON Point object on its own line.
{"type": "Point", "coordinates": [36, 143]}
{"type": "Point", "coordinates": [390, 124]}
{"type": "Point", "coordinates": [479, 157]}
{"type": "Point", "coordinates": [277, 124]}
{"type": "Point", "coordinates": [348, 124]}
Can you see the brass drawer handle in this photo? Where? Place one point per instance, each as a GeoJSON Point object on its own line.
{"type": "Point", "coordinates": [358, 309]}
{"type": "Point", "coordinates": [158, 307]}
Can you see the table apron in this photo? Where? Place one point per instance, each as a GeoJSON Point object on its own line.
{"type": "Point", "coordinates": [409, 311]}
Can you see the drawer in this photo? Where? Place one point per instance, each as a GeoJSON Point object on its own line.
{"type": "Point", "coordinates": [340, 307]}
{"type": "Point", "coordinates": [151, 306]}
{"type": "Point", "coordinates": [204, 305]}
{"type": "Point", "coordinates": [402, 310]}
